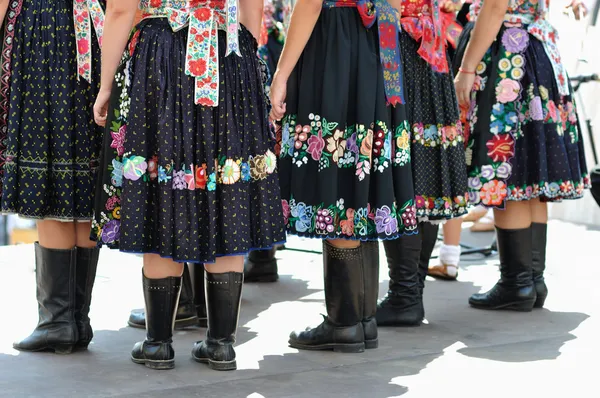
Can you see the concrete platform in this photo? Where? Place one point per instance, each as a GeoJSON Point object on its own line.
{"type": "Point", "coordinates": [461, 352]}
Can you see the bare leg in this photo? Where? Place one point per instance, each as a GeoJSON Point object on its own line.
{"type": "Point", "coordinates": [452, 229]}
{"type": "Point", "coordinates": [56, 234]}
{"type": "Point", "coordinates": [344, 243]}
{"type": "Point", "coordinates": [82, 231]}
{"type": "Point", "coordinates": [156, 267]}
{"type": "Point", "coordinates": [539, 211]}
{"type": "Point", "coordinates": [517, 215]}
{"type": "Point", "coordinates": [226, 264]}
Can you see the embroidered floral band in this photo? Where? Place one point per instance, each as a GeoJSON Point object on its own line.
{"type": "Point", "coordinates": [337, 220]}
{"type": "Point", "coordinates": [227, 171]}
{"type": "Point", "coordinates": [85, 14]}
{"type": "Point", "coordinates": [388, 25]}
{"type": "Point", "coordinates": [203, 18]}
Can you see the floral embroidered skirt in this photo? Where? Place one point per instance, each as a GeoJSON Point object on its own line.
{"type": "Point", "coordinates": [344, 161]}
{"type": "Point", "coordinates": [49, 143]}
{"type": "Point", "coordinates": [524, 137]}
{"type": "Point", "coordinates": [437, 142]}
{"type": "Point", "coordinates": [187, 182]}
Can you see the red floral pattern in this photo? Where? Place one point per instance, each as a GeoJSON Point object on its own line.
{"type": "Point", "coordinates": [85, 14]}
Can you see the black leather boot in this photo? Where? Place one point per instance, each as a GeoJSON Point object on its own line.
{"type": "Point", "coordinates": [538, 256]}
{"type": "Point", "coordinates": [402, 306]}
{"type": "Point", "coordinates": [197, 271]}
{"type": "Point", "coordinates": [87, 263]}
{"type": "Point", "coordinates": [514, 290]}
{"type": "Point", "coordinates": [342, 328]}
{"type": "Point", "coordinates": [371, 282]}
{"type": "Point", "coordinates": [429, 235]}
{"type": "Point", "coordinates": [161, 297]}
{"type": "Point", "coordinates": [223, 298]}
{"type": "Point", "coordinates": [186, 311]}
{"type": "Point", "coordinates": [261, 266]}
{"type": "Point", "coordinates": [55, 278]}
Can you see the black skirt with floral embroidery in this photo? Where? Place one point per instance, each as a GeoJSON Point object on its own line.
{"type": "Point", "coordinates": [524, 140]}
{"type": "Point", "coordinates": [184, 181]}
{"type": "Point", "coordinates": [437, 142]}
{"type": "Point", "coordinates": [345, 164]}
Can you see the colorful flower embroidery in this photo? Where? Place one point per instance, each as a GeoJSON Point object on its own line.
{"type": "Point", "coordinates": [337, 221]}
{"type": "Point", "coordinates": [85, 14]}
{"type": "Point", "coordinates": [355, 146]}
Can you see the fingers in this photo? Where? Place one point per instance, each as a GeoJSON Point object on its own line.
{"type": "Point", "coordinates": [277, 111]}
{"type": "Point", "coordinates": [100, 115]}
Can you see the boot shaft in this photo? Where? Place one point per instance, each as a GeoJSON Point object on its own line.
{"type": "Point", "coordinates": [87, 264]}
{"type": "Point", "coordinates": [539, 235]}
{"type": "Point", "coordinates": [344, 286]}
{"type": "Point", "coordinates": [161, 297]}
{"type": "Point", "coordinates": [429, 235]}
{"type": "Point", "coordinates": [223, 299]}
{"type": "Point", "coordinates": [55, 278]}
{"type": "Point", "coordinates": [516, 259]}
{"type": "Point", "coordinates": [403, 255]}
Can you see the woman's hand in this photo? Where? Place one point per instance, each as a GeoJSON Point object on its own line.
{"type": "Point", "coordinates": [463, 83]}
{"type": "Point", "coordinates": [449, 6]}
{"type": "Point", "coordinates": [579, 9]}
{"type": "Point", "coordinates": [278, 94]}
{"type": "Point", "coordinates": [101, 107]}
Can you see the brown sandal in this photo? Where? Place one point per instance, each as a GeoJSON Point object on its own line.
{"type": "Point", "coordinates": [440, 271]}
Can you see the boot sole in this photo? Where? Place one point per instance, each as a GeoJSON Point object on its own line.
{"type": "Point", "coordinates": [371, 344]}
{"type": "Point", "coordinates": [217, 365]}
{"type": "Point", "coordinates": [156, 365]}
{"type": "Point", "coordinates": [522, 306]}
{"type": "Point", "coordinates": [179, 323]}
{"type": "Point", "coordinates": [342, 348]}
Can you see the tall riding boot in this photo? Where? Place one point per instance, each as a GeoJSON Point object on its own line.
{"type": "Point", "coordinates": [402, 306]}
{"type": "Point", "coordinates": [261, 266]}
{"type": "Point", "coordinates": [342, 329]}
{"type": "Point", "coordinates": [538, 254]}
{"type": "Point", "coordinates": [55, 278]}
{"type": "Point", "coordinates": [197, 271]}
{"type": "Point", "coordinates": [161, 297]}
{"type": "Point", "coordinates": [186, 311]}
{"type": "Point", "coordinates": [514, 290]}
{"type": "Point", "coordinates": [87, 263]}
{"type": "Point", "coordinates": [223, 299]}
{"type": "Point", "coordinates": [429, 236]}
{"type": "Point", "coordinates": [371, 282]}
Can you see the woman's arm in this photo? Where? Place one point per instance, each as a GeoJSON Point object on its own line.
{"type": "Point", "coordinates": [483, 35]}
{"type": "Point", "coordinates": [251, 13]}
{"type": "Point", "coordinates": [304, 17]}
{"type": "Point", "coordinates": [3, 8]}
{"type": "Point", "coordinates": [120, 15]}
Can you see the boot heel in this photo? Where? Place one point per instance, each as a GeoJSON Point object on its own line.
{"type": "Point", "coordinates": [371, 344]}
{"type": "Point", "coordinates": [349, 348]}
{"type": "Point", "coordinates": [160, 365]}
{"type": "Point", "coordinates": [63, 349]}
{"type": "Point", "coordinates": [539, 302]}
{"type": "Point", "coordinates": [525, 306]}
{"type": "Point", "coordinates": [222, 365]}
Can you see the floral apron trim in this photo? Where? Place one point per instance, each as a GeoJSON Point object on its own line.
{"type": "Point", "coordinates": [431, 135]}
{"type": "Point", "coordinates": [13, 11]}
{"type": "Point", "coordinates": [366, 149]}
{"type": "Point", "coordinates": [204, 19]}
{"type": "Point", "coordinates": [336, 221]}
{"type": "Point", "coordinates": [85, 14]}
{"type": "Point", "coordinates": [388, 25]}
{"type": "Point", "coordinates": [227, 171]}
{"type": "Point", "coordinates": [440, 207]}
